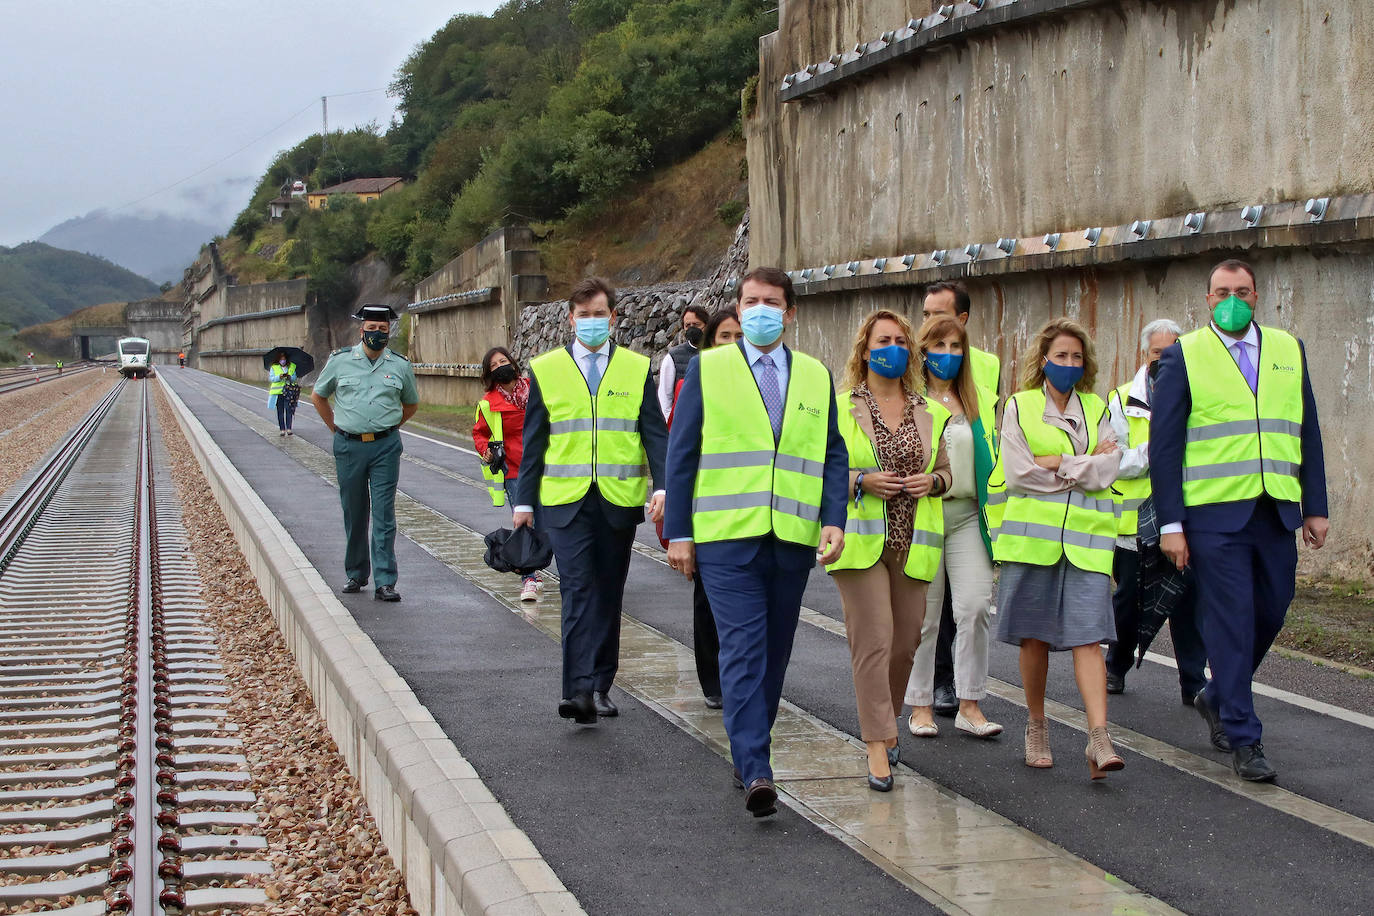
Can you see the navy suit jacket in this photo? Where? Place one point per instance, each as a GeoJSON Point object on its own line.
{"type": "Point", "coordinates": [1169, 409]}
{"type": "Point", "coordinates": [684, 454]}
{"type": "Point", "coordinates": [653, 432]}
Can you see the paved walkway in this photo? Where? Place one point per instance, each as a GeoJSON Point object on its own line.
{"type": "Point", "coordinates": [639, 812]}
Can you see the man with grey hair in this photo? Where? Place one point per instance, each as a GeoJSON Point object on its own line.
{"type": "Point", "coordinates": [1129, 408]}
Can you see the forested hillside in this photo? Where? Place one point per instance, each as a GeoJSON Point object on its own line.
{"type": "Point", "coordinates": [544, 111]}
{"type": "Point", "coordinates": [39, 283]}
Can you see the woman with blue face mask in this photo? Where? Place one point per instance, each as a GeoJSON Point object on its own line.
{"type": "Point", "coordinates": [898, 468]}
{"type": "Point", "coordinates": [966, 563]}
{"type": "Point", "coordinates": [1054, 519]}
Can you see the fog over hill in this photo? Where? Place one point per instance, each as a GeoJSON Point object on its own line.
{"type": "Point", "coordinates": [156, 246]}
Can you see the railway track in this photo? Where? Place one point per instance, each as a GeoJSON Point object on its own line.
{"type": "Point", "coordinates": [123, 788]}
{"type": "Point", "coordinates": [19, 381]}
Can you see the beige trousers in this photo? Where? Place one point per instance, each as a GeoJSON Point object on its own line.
{"type": "Point", "coordinates": [883, 611]}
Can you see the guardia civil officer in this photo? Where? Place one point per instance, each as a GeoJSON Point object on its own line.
{"type": "Point", "coordinates": [1236, 468]}
{"type": "Point", "coordinates": [593, 435]}
{"type": "Point", "coordinates": [364, 393]}
{"type": "Point", "coordinates": [758, 474]}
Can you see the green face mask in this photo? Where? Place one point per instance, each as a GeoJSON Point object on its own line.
{"type": "Point", "coordinates": [1232, 314]}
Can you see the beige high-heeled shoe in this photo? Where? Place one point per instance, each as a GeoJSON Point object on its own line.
{"type": "Point", "coordinates": [1038, 744]}
{"type": "Point", "coordinates": [1102, 757]}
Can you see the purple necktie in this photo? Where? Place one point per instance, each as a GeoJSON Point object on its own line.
{"type": "Point", "coordinates": [1246, 367]}
{"type": "Point", "coordinates": [768, 387]}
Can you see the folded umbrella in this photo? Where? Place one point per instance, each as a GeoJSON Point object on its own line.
{"type": "Point", "coordinates": [1163, 587]}
{"type": "Point", "coordinates": [524, 550]}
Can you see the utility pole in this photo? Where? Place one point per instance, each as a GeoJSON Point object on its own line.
{"type": "Point", "coordinates": [324, 111]}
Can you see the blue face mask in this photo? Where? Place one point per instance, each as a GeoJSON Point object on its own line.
{"type": "Point", "coordinates": [762, 324]}
{"type": "Point", "coordinates": [593, 331]}
{"type": "Point", "coordinates": [944, 365]}
{"type": "Point", "coordinates": [889, 361]}
{"type": "Point", "coordinates": [1063, 378]}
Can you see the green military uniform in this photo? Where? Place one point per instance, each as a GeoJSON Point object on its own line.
{"type": "Point", "coordinates": [367, 397]}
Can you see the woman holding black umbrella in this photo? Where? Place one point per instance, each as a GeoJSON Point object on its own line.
{"type": "Point", "coordinates": [282, 375]}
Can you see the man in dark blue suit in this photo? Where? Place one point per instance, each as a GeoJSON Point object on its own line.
{"type": "Point", "coordinates": [1236, 467]}
{"type": "Point", "coordinates": [758, 474]}
{"type": "Point", "coordinates": [593, 433]}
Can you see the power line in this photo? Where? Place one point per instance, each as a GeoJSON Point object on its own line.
{"type": "Point", "coordinates": [247, 145]}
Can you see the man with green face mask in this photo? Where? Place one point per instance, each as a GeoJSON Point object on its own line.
{"type": "Point", "coordinates": [1236, 467]}
{"type": "Point", "coordinates": [364, 394]}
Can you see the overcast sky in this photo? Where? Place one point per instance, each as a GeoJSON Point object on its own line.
{"type": "Point", "coordinates": [106, 103]}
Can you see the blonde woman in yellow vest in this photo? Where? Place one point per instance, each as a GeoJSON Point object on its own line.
{"type": "Point", "coordinates": [894, 533]}
{"type": "Point", "coordinates": [966, 562]}
{"type": "Point", "coordinates": [1056, 530]}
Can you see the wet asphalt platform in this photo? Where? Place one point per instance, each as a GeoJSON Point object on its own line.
{"type": "Point", "coordinates": [639, 814]}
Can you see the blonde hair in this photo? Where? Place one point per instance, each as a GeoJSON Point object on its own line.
{"type": "Point", "coordinates": [1032, 364]}
{"type": "Point", "coordinates": [856, 371]}
{"type": "Point", "coordinates": [936, 329]}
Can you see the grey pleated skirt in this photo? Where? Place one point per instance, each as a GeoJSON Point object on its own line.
{"type": "Point", "coordinates": [1061, 605]}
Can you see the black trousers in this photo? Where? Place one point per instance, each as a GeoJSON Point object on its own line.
{"type": "Point", "coordinates": [593, 561]}
{"type": "Point", "coordinates": [944, 643]}
{"type": "Point", "coordinates": [705, 640]}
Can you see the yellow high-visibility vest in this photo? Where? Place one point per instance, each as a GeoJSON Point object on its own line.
{"type": "Point", "coordinates": [593, 440]}
{"type": "Point", "coordinates": [1039, 528]}
{"type": "Point", "coordinates": [987, 377]}
{"type": "Point", "coordinates": [278, 376]}
{"type": "Point", "coordinates": [1242, 443]}
{"type": "Point", "coordinates": [747, 485]}
{"type": "Point", "coordinates": [1132, 491]}
{"type": "Point", "coordinates": [865, 530]}
{"type": "Point", "coordinates": [496, 480]}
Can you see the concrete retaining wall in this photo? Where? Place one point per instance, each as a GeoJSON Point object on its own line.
{"type": "Point", "coordinates": [1032, 117]}
{"type": "Point", "coordinates": [455, 844]}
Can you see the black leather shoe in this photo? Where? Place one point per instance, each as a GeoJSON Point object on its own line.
{"type": "Point", "coordinates": [1189, 696]}
{"type": "Point", "coordinates": [1204, 709]}
{"type": "Point", "coordinates": [579, 708]}
{"type": "Point", "coordinates": [1250, 765]}
{"type": "Point", "coordinates": [737, 778]}
{"type": "Point", "coordinates": [604, 707]}
{"type": "Point", "coordinates": [880, 783]}
{"type": "Point", "coordinates": [386, 593]}
{"type": "Point", "coordinates": [946, 701]}
{"type": "Point", "coordinates": [761, 799]}
{"type": "Point", "coordinates": [892, 754]}
{"type": "Point", "coordinates": [353, 587]}
{"type": "Point", "coordinates": [714, 702]}
{"type": "Point", "coordinates": [1116, 683]}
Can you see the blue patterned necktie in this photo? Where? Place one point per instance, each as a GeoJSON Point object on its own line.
{"type": "Point", "coordinates": [1246, 367]}
{"type": "Point", "coordinates": [594, 372]}
{"type": "Point", "coordinates": [772, 397]}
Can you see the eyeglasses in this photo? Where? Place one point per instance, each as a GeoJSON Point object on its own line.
{"type": "Point", "coordinates": [1243, 292]}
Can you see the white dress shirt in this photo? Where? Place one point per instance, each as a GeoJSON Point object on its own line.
{"type": "Point", "coordinates": [1251, 343]}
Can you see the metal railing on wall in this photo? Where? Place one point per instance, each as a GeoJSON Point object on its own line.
{"type": "Point", "coordinates": [1289, 224]}
{"type": "Point", "coordinates": [454, 300]}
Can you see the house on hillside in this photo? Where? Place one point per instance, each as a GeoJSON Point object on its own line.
{"type": "Point", "coordinates": [295, 197]}
{"type": "Point", "coordinates": [365, 189]}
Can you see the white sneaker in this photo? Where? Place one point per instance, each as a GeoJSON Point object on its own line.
{"type": "Point", "coordinates": [529, 591]}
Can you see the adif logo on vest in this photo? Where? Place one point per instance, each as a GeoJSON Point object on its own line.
{"type": "Point", "coordinates": [813, 411]}
{"type": "Point", "coordinates": [1278, 368]}
{"type": "Point", "coordinates": [612, 393]}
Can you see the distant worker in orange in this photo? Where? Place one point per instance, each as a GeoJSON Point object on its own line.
{"type": "Point", "coordinates": [181, 359]}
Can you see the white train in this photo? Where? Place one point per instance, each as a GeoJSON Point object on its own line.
{"type": "Point", "coordinates": [134, 357]}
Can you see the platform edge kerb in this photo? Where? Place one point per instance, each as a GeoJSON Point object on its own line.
{"type": "Point", "coordinates": [326, 644]}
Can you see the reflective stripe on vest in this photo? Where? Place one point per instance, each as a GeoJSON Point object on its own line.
{"type": "Point", "coordinates": [865, 530]}
{"type": "Point", "coordinates": [496, 483]}
{"type": "Point", "coordinates": [987, 377]}
{"type": "Point", "coordinates": [746, 486]}
{"type": "Point", "coordinates": [1135, 490]}
{"type": "Point", "coordinates": [593, 440]}
{"type": "Point", "coordinates": [1039, 528]}
{"type": "Point", "coordinates": [1240, 444]}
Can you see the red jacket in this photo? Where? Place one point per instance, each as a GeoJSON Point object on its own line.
{"type": "Point", "coordinates": [512, 428]}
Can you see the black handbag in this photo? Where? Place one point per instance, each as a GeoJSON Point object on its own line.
{"type": "Point", "coordinates": [524, 550]}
